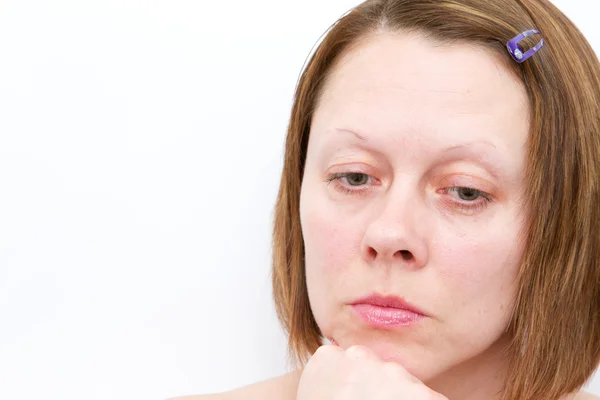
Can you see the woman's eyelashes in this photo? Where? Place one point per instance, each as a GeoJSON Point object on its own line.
{"type": "Point", "coordinates": [351, 183]}
{"type": "Point", "coordinates": [467, 199]}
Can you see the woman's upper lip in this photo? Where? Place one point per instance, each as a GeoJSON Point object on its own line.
{"type": "Point", "coordinates": [390, 301]}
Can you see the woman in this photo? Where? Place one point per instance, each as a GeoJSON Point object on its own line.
{"type": "Point", "coordinates": [437, 219]}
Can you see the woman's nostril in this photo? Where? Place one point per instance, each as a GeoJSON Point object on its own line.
{"type": "Point", "coordinates": [372, 252]}
{"type": "Point", "coordinates": [406, 255]}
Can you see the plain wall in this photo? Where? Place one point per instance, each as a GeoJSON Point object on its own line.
{"type": "Point", "coordinates": [141, 145]}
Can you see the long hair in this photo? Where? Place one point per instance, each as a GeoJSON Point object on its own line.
{"type": "Point", "coordinates": [555, 328]}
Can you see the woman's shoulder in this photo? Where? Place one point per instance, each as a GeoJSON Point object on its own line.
{"type": "Point", "coordinates": [283, 387]}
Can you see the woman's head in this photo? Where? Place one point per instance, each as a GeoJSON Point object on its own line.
{"type": "Point", "coordinates": [423, 162]}
{"type": "Point", "coordinates": [413, 186]}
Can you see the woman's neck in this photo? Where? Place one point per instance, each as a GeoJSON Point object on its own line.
{"type": "Point", "coordinates": [481, 377]}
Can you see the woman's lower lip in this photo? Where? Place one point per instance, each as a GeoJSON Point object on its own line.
{"type": "Point", "coordinates": [385, 317]}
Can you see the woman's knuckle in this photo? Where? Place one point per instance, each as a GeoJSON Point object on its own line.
{"type": "Point", "coordinates": [392, 369]}
{"type": "Point", "coordinates": [356, 352]}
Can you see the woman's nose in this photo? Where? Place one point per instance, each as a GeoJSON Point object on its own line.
{"type": "Point", "coordinates": [397, 235]}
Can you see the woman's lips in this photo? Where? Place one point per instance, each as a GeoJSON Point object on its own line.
{"type": "Point", "coordinates": [386, 311]}
{"type": "Point", "coordinates": [385, 316]}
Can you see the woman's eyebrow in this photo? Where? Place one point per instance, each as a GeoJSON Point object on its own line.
{"type": "Point", "coordinates": [489, 157]}
{"type": "Point", "coordinates": [477, 150]}
{"type": "Point", "coordinates": [451, 148]}
{"type": "Point", "coordinates": [347, 131]}
{"type": "Point", "coordinates": [473, 143]}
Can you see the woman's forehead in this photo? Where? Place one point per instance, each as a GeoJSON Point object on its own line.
{"type": "Point", "coordinates": [407, 83]}
{"type": "Point", "coordinates": [412, 68]}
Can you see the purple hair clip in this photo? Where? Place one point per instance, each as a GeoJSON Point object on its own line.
{"type": "Point", "coordinates": [516, 51]}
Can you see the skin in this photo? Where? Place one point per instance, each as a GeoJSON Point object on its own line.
{"type": "Point", "coordinates": [416, 123]}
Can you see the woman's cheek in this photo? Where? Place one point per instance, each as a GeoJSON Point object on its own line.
{"type": "Point", "coordinates": [477, 267]}
{"type": "Point", "coordinates": [333, 246]}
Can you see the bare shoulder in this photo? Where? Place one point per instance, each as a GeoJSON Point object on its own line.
{"type": "Point", "coordinates": [279, 388]}
{"type": "Point", "coordinates": [219, 396]}
{"type": "Point", "coordinates": [284, 388]}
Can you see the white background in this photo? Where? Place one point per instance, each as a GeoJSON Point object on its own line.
{"type": "Point", "coordinates": [141, 144]}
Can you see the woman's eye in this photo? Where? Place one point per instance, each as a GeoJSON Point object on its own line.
{"type": "Point", "coordinates": [356, 179]}
{"type": "Point", "coordinates": [352, 183]}
{"type": "Point", "coordinates": [466, 197]}
{"type": "Point", "coordinates": [467, 194]}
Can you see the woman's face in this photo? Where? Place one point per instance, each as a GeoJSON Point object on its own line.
{"type": "Point", "coordinates": [412, 185]}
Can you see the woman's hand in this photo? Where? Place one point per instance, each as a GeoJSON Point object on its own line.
{"type": "Point", "coordinates": [358, 374]}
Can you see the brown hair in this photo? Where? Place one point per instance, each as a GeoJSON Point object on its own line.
{"type": "Point", "coordinates": [555, 328]}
